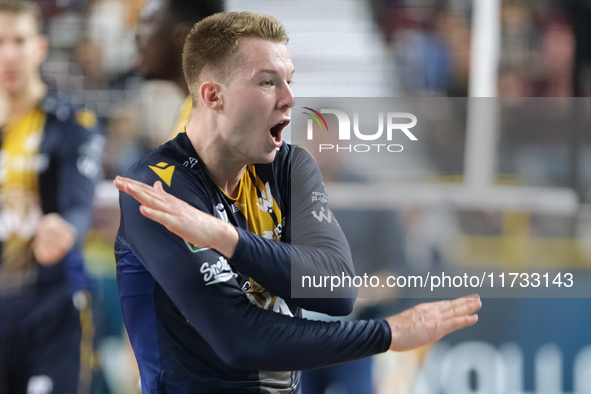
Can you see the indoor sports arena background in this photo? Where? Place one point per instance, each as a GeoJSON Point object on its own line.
{"type": "Point", "coordinates": [496, 183]}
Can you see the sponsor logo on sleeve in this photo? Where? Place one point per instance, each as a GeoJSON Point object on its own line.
{"type": "Point", "coordinates": [195, 248]}
{"type": "Point", "coordinates": [319, 196]}
{"type": "Point", "coordinates": [238, 207]}
{"type": "Point", "coordinates": [323, 215]}
{"type": "Point", "coordinates": [191, 162]}
{"type": "Point", "coordinates": [220, 271]}
{"type": "Point", "coordinates": [164, 171]}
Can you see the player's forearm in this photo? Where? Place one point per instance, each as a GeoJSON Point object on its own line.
{"type": "Point", "coordinates": [296, 343]}
{"type": "Point", "coordinates": [289, 263]}
{"type": "Point", "coordinates": [225, 237]}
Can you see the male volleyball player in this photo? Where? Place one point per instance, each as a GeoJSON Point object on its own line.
{"type": "Point", "coordinates": [205, 263]}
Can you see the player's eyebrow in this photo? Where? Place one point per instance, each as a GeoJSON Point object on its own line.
{"type": "Point", "coordinates": [273, 71]}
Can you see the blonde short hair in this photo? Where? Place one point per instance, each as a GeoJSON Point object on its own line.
{"type": "Point", "coordinates": [213, 42]}
{"type": "Point", "coordinates": [23, 8]}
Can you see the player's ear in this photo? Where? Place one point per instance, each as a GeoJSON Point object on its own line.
{"type": "Point", "coordinates": [210, 94]}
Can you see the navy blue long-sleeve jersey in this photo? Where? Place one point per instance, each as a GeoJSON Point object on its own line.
{"type": "Point", "coordinates": [202, 323]}
{"type": "Point", "coordinates": [50, 163]}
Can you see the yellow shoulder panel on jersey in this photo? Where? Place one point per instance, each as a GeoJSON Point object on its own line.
{"type": "Point", "coordinates": [164, 171]}
{"type": "Point", "coordinates": [86, 118]}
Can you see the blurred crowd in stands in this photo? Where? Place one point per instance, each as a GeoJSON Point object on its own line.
{"type": "Point", "coordinates": [92, 53]}
{"type": "Point", "coordinates": [431, 45]}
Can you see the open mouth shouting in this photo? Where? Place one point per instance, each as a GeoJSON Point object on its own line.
{"type": "Point", "coordinates": [276, 132]}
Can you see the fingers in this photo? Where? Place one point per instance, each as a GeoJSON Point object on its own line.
{"type": "Point", "coordinates": [463, 321]}
{"type": "Point", "coordinates": [132, 187]}
{"type": "Point", "coordinates": [48, 254]}
{"type": "Point", "coordinates": [122, 183]}
{"type": "Point", "coordinates": [54, 238]}
{"type": "Point", "coordinates": [152, 196]}
{"type": "Point", "coordinates": [464, 305]}
{"type": "Point", "coordinates": [158, 186]}
{"type": "Point", "coordinates": [157, 215]}
{"type": "Point", "coordinates": [155, 202]}
{"type": "Point", "coordinates": [459, 313]}
{"type": "Point", "coordinates": [427, 323]}
{"type": "Point", "coordinates": [458, 307]}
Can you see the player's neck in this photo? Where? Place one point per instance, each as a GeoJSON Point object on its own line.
{"type": "Point", "coordinates": [230, 186]}
{"type": "Point", "coordinates": [225, 175]}
{"type": "Point", "coordinates": [222, 172]}
{"type": "Point", "coordinates": [22, 101]}
{"type": "Point", "coordinates": [221, 166]}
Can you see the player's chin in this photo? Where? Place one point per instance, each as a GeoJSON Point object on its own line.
{"type": "Point", "coordinates": [268, 157]}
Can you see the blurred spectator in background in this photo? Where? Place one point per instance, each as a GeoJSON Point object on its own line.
{"type": "Point", "coordinates": [431, 45]}
{"type": "Point", "coordinates": [51, 157]}
{"type": "Point", "coordinates": [538, 52]}
{"type": "Point", "coordinates": [431, 42]}
{"type": "Point", "coordinates": [88, 56]}
{"type": "Point", "coordinates": [160, 36]}
{"type": "Point", "coordinates": [557, 53]}
{"type": "Point", "coordinates": [122, 152]}
{"type": "Point", "coordinates": [454, 28]}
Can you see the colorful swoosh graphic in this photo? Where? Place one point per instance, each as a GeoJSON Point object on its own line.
{"type": "Point", "coordinates": [315, 116]}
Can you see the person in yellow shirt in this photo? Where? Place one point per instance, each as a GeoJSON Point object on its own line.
{"type": "Point", "coordinates": [160, 36]}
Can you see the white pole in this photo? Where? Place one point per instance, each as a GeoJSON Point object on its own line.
{"type": "Point", "coordinates": [486, 36]}
{"type": "Point", "coordinates": [482, 122]}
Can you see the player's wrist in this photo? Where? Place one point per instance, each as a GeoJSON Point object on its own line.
{"type": "Point", "coordinates": [226, 238]}
{"type": "Point", "coordinates": [394, 331]}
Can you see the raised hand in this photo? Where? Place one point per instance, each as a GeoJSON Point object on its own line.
{"type": "Point", "coordinates": [182, 219]}
{"type": "Point", "coordinates": [426, 323]}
